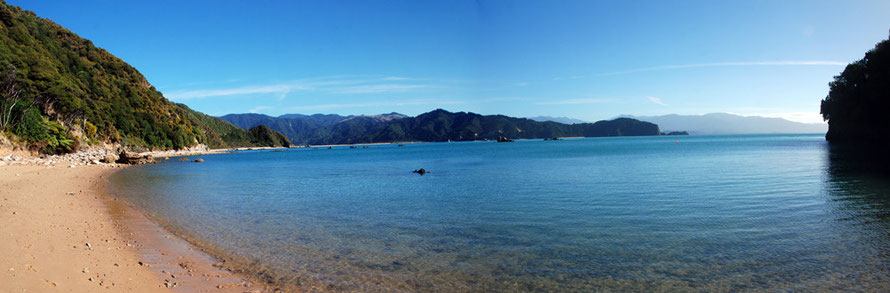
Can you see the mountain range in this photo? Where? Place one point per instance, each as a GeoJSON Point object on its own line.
{"type": "Point", "coordinates": [715, 123]}
{"type": "Point", "coordinates": [437, 125]}
{"type": "Point", "coordinates": [563, 120]}
{"type": "Point", "coordinates": [723, 123]}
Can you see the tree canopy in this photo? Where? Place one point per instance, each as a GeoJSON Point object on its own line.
{"type": "Point", "coordinates": [859, 99]}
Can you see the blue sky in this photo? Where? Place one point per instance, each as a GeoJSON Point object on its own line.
{"type": "Point", "coordinates": [589, 60]}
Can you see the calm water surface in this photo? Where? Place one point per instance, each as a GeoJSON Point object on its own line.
{"type": "Point", "coordinates": [709, 213]}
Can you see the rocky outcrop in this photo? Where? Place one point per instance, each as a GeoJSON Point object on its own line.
{"type": "Point", "coordinates": [98, 156]}
{"type": "Point", "coordinates": [134, 158]}
{"type": "Point", "coordinates": [110, 158]}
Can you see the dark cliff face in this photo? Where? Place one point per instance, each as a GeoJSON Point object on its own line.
{"type": "Point", "coordinates": [858, 102]}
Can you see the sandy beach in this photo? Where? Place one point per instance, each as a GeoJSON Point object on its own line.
{"type": "Point", "coordinates": [61, 232]}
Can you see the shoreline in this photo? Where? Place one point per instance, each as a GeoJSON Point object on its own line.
{"type": "Point", "coordinates": [179, 260]}
{"type": "Point", "coordinates": [52, 213]}
{"type": "Point", "coordinates": [146, 254]}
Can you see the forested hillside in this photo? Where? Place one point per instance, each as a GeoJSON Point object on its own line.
{"type": "Point", "coordinates": [60, 91]}
{"type": "Point", "coordinates": [437, 125]}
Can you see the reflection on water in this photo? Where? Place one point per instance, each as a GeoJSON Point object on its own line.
{"type": "Point", "coordinates": [858, 178]}
{"type": "Point", "coordinates": [858, 184]}
{"type": "Point", "coordinates": [711, 213]}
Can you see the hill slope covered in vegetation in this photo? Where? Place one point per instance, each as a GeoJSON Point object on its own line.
{"type": "Point", "coordinates": [437, 125]}
{"type": "Point", "coordinates": [60, 91]}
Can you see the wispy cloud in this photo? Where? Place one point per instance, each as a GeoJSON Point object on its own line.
{"type": "Point", "coordinates": [656, 100]}
{"type": "Point", "coordinates": [378, 88]}
{"type": "Point", "coordinates": [374, 104]}
{"type": "Point", "coordinates": [282, 89]}
{"type": "Point", "coordinates": [727, 64]}
{"type": "Point", "coordinates": [257, 109]}
{"type": "Point", "coordinates": [808, 31]}
{"type": "Point", "coordinates": [333, 85]}
{"type": "Point", "coordinates": [576, 102]}
{"type": "Point", "coordinates": [570, 77]}
{"type": "Point", "coordinates": [499, 99]}
{"type": "Point", "coordinates": [397, 78]}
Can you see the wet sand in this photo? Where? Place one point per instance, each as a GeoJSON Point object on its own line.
{"type": "Point", "coordinates": [61, 232]}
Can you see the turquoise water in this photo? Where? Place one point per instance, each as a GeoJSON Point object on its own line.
{"type": "Point", "coordinates": [708, 213]}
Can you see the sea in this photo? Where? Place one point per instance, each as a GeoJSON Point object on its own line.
{"type": "Point", "coordinates": [659, 213]}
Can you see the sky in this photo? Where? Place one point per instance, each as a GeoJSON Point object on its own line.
{"type": "Point", "coordinates": [588, 60]}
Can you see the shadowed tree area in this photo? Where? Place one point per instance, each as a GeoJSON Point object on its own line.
{"type": "Point", "coordinates": [857, 105]}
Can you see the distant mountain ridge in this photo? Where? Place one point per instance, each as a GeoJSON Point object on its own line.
{"type": "Point", "coordinates": [723, 123]}
{"type": "Point", "coordinates": [563, 120]}
{"type": "Point", "coordinates": [301, 129]}
{"type": "Point", "coordinates": [437, 125]}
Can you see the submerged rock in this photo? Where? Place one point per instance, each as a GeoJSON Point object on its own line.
{"type": "Point", "coordinates": [198, 161]}
{"type": "Point", "coordinates": [420, 171]}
